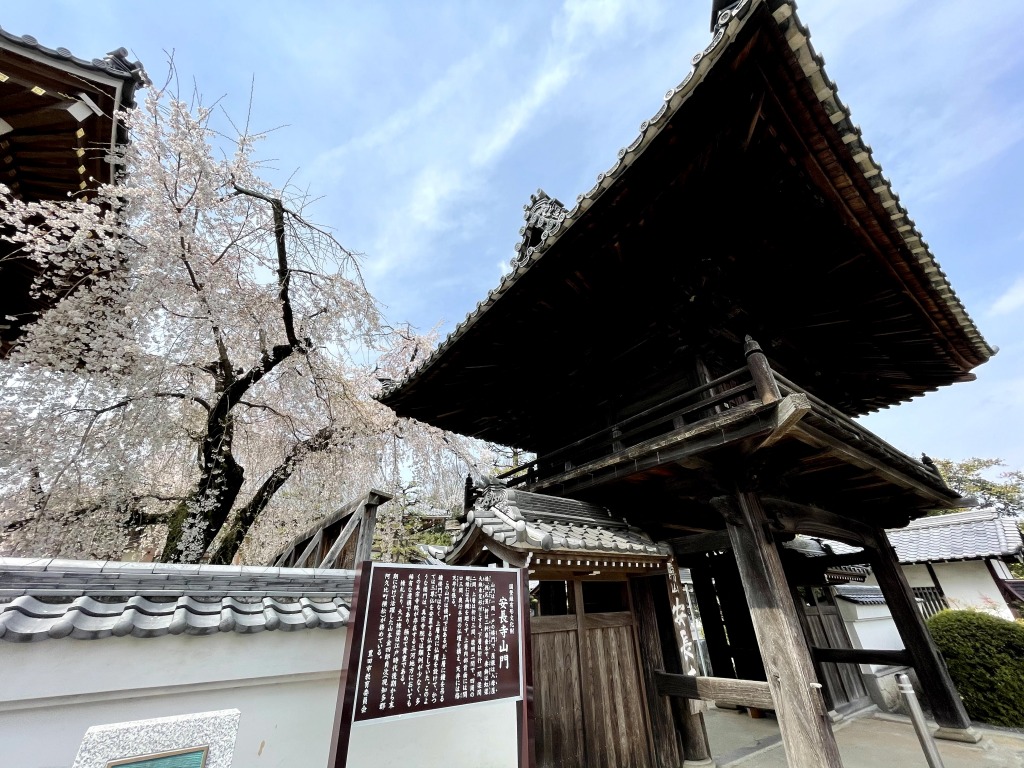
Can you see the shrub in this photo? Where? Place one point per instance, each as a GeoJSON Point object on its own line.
{"type": "Point", "coordinates": [985, 655]}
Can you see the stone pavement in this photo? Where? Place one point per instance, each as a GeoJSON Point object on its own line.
{"type": "Point", "coordinates": [868, 739]}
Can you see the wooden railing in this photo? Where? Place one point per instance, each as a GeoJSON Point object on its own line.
{"type": "Point", "coordinates": [340, 540]}
{"type": "Point", "coordinates": [686, 408]}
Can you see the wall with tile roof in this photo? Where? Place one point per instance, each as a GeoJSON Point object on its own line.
{"type": "Point", "coordinates": [86, 643]}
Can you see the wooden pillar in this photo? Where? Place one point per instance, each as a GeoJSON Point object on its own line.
{"type": "Point", "coordinates": [803, 720]}
{"type": "Point", "coordinates": [668, 715]}
{"type": "Point", "coordinates": [947, 708]}
{"type": "Point", "coordinates": [367, 527]}
{"type": "Point", "coordinates": [761, 371]}
{"type": "Point", "coordinates": [711, 619]}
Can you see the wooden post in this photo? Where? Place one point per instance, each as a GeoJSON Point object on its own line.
{"type": "Point", "coordinates": [367, 527]}
{"type": "Point", "coordinates": [761, 371]}
{"type": "Point", "coordinates": [688, 715]}
{"type": "Point", "coordinates": [654, 656]}
{"type": "Point", "coordinates": [803, 720]}
{"type": "Point", "coordinates": [929, 665]}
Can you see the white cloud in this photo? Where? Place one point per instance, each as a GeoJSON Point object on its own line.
{"type": "Point", "coordinates": [1011, 300]}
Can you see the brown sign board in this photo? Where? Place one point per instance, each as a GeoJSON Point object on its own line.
{"type": "Point", "coordinates": [423, 638]}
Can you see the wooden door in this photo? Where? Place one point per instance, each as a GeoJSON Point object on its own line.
{"type": "Point", "coordinates": [828, 631]}
{"type": "Point", "coordinates": [589, 701]}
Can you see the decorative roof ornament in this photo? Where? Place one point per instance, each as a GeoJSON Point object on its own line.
{"type": "Point", "coordinates": [544, 216]}
{"type": "Point", "coordinates": [722, 12]}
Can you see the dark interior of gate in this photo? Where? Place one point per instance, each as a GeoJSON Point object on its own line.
{"type": "Point", "coordinates": [686, 348]}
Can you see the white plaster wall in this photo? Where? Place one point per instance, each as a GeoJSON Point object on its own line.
{"type": "Point", "coordinates": [917, 575]}
{"type": "Point", "coordinates": [474, 736]}
{"type": "Point", "coordinates": [870, 626]}
{"type": "Point", "coordinates": [284, 684]}
{"type": "Point", "coordinates": [970, 585]}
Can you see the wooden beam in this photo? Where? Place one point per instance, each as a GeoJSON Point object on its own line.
{"type": "Point", "coordinates": [861, 656]}
{"type": "Point", "coordinates": [309, 549]}
{"type": "Point", "coordinates": [330, 559]}
{"type": "Point", "coordinates": [803, 719]}
{"type": "Point", "coordinates": [947, 708]}
{"type": "Point", "coordinates": [791, 409]}
{"type": "Point", "coordinates": [793, 517]}
{"type": "Point", "coordinates": [851, 455]}
{"type": "Point", "coordinates": [699, 544]}
{"type": "Point", "coordinates": [742, 693]}
{"type": "Point", "coordinates": [760, 370]}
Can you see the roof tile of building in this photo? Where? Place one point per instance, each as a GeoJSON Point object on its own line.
{"type": "Point", "coordinates": [536, 521]}
{"type": "Point", "coordinates": [860, 594]}
{"type": "Point", "coordinates": [45, 598]}
{"type": "Point", "coordinates": [960, 536]}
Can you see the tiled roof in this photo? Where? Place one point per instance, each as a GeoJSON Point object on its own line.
{"type": "Point", "coordinates": [51, 598]}
{"type": "Point", "coordinates": [960, 536]}
{"type": "Point", "coordinates": [115, 63]}
{"type": "Point", "coordinates": [860, 594]}
{"type": "Point", "coordinates": [730, 22]}
{"type": "Point", "coordinates": [536, 521]}
{"type": "Point", "coordinates": [970, 535]}
{"type": "Point", "coordinates": [836, 574]}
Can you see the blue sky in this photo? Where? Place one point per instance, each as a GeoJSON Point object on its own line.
{"type": "Point", "coordinates": [424, 127]}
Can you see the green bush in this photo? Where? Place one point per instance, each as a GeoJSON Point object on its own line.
{"type": "Point", "coordinates": [985, 655]}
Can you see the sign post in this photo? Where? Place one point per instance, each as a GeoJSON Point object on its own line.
{"type": "Point", "coordinates": [426, 638]}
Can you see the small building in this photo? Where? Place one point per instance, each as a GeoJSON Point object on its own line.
{"type": "Point", "coordinates": [960, 560]}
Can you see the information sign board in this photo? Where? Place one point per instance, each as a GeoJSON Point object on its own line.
{"type": "Point", "coordinates": [423, 638]}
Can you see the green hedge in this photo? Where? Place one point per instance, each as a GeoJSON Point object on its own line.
{"type": "Point", "coordinates": [985, 655]}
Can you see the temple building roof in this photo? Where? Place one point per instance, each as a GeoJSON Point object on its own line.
{"type": "Point", "coordinates": [748, 203]}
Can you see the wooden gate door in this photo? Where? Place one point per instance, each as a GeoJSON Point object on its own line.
{"type": "Point", "coordinates": [828, 631]}
{"type": "Point", "coordinates": [589, 702]}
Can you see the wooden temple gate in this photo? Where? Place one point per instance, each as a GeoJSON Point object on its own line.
{"type": "Point", "coordinates": [581, 718]}
{"type": "Point", "coordinates": [617, 352]}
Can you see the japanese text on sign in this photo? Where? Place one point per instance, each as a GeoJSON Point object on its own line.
{"type": "Point", "coordinates": [438, 637]}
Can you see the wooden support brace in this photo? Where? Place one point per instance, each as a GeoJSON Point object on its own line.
{"type": "Point", "coordinates": [946, 706]}
{"type": "Point", "coordinates": [309, 549]}
{"type": "Point", "coordinates": [742, 693]}
{"type": "Point", "coordinates": [334, 552]}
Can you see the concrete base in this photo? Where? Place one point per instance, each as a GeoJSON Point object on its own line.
{"type": "Point", "coordinates": [966, 735]}
{"type": "Point", "coordinates": [709, 763]}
